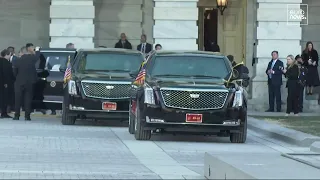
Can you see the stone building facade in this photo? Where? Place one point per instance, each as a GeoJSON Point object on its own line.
{"type": "Point", "coordinates": [175, 24]}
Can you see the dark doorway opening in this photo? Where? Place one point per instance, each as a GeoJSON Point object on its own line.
{"type": "Point", "coordinates": [210, 29]}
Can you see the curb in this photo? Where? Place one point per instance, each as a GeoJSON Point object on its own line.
{"type": "Point", "coordinates": [315, 147]}
{"type": "Point", "coordinates": [278, 114]}
{"type": "Point", "coordinates": [282, 133]}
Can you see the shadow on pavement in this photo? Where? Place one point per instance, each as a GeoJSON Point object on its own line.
{"type": "Point", "coordinates": [189, 138]}
{"type": "Point", "coordinates": [124, 124]}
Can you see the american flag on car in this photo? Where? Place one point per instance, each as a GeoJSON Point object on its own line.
{"type": "Point", "coordinates": [67, 74]}
{"type": "Point", "coordinates": [141, 77]}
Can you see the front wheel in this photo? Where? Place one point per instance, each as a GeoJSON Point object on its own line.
{"type": "Point", "coordinates": [66, 119]}
{"type": "Point", "coordinates": [241, 137]}
{"type": "Point", "coordinates": [140, 133]}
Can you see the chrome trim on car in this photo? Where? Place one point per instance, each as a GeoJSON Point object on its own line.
{"type": "Point", "coordinates": [53, 51]}
{"type": "Point", "coordinates": [193, 124]}
{"type": "Point", "coordinates": [122, 95]}
{"type": "Point", "coordinates": [195, 90]}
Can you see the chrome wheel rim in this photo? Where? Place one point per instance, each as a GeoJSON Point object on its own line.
{"type": "Point", "coordinates": [135, 121]}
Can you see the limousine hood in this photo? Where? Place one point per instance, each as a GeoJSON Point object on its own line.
{"type": "Point", "coordinates": [103, 76]}
{"type": "Point", "coordinates": [206, 83]}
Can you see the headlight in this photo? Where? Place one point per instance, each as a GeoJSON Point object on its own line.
{"type": "Point", "coordinates": [72, 87]}
{"type": "Point", "coordinates": [149, 96]}
{"type": "Point", "coordinates": [238, 99]}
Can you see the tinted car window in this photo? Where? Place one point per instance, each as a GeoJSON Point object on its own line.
{"type": "Point", "coordinates": [54, 60]}
{"type": "Point", "coordinates": [109, 62]}
{"type": "Point", "coordinates": [190, 66]}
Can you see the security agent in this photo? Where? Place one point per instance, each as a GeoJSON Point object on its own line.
{"type": "Point", "coordinates": [26, 76]}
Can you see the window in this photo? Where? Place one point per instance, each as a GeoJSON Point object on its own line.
{"type": "Point", "coordinates": [190, 66]}
{"type": "Point", "coordinates": [52, 61]}
{"type": "Point", "coordinates": [110, 62]}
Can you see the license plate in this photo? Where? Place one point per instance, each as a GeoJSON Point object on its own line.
{"type": "Point", "coordinates": [109, 106]}
{"type": "Point", "coordinates": [194, 118]}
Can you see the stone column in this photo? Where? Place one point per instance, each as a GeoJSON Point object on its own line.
{"type": "Point", "coordinates": [274, 32]}
{"type": "Point", "coordinates": [72, 22]}
{"type": "Point", "coordinates": [175, 26]}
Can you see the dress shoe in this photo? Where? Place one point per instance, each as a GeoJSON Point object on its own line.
{"type": "Point", "coordinates": [269, 110]}
{"type": "Point", "coordinates": [5, 116]}
{"type": "Point", "coordinates": [278, 110]}
{"type": "Point", "coordinates": [27, 119]}
{"type": "Point", "coordinates": [16, 118]}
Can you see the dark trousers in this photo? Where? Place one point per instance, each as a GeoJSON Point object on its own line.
{"type": "Point", "coordinates": [10, 98]}
{"type": "Point", "coordinates": [4, 101]}
{"type": "Point", "coordinates": [26, 91]}
{"type": "Point", "coordinates": [301, 97]}
{"type": "Point", "coordinates": [293, 95]}
{"type": "Point", "coordinates": [274, 94]}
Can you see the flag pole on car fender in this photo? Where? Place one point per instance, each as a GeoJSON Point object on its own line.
{"type": "Point", "coordinates": [67, 73]}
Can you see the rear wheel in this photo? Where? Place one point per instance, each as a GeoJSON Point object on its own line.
{"type": "Point", "coordinates": [66, 119]}
{"type": "Point", "coordinates": [140, 133]}
{"type": "Point", "coordinates": [131, 120]}
{"type": "Point", "coordinates": [241, 137]}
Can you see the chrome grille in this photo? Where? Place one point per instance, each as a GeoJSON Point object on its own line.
{"type": "Point", "coordinates": [194, 99]}
{"type": "Point", "coordinates": [106, 90]}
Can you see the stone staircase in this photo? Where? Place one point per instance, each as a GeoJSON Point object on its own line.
{"type": "Point", "coordinates": [310, 104]}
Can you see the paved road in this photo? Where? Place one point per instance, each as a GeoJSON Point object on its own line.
{"type": "Point", "coordinates": [45, 149]}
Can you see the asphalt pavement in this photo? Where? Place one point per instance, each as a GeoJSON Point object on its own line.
{"type": "Point", "coordinates": [45, 149]}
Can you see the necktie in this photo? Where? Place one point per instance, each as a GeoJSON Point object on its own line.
{"type": "Point", "coordinates": [273, 63]}
{"type": "Point", "coordinates": [143, 48]}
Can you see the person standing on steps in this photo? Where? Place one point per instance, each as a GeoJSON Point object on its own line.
{"type": "Point", "coordinates": [26, 76]}
{"type": "Point", "coordinates": [123, 42]}
{"type": "Point", "coordinates": [6, 82]}
{"type": "Point", "coordinates": [303, 71]}
{"type": "Point", "coordinates": [310, 58]}
{"type": "Point", "coordinates": [274, 73]}
{"type": "Point", "coordinates": [144, 47]}
{"type": "Point", "coordinates": [158, 47]}
{"type": "Point", "coordinates": [292, 75]}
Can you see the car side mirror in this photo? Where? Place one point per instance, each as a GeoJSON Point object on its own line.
{"type": "Point", "coordinates": [63, 70]}
{"type": "Point", "coordinates": [134, 74]}
{"type": "Point", "coordinates": [235, 74]}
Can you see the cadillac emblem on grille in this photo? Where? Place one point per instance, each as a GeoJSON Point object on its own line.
{"type": "Point", "coordinates": [194, 95]}
{"type": "Point", "coordinates": [109, 87]}
{"type": "Point", "coordinates": [106, 89]}
{"type": "Point", "coordinates": [195, 99]}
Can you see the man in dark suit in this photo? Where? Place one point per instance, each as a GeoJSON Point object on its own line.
{"type": "Point", "coordinates": [13, 60]}
{"type": "Point", "coordinates": [26, 76]}
{"type": "Point", "coordinates": [7, 80]}
{"type": "Point", "coordinates": [13, 57]}
{"type": "Point", "coordinates": [123, 42]}
{"type": "Point", "coordinates": [274, 73]}
{"type": "Point", "coordinates": [144, 47]}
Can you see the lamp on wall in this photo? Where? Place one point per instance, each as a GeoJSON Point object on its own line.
{"type": "Point", "coordinates": [222, 5]}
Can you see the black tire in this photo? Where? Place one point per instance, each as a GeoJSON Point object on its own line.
{"type": "Point", "coordinates": [66, 119]}
{"type": "Point", "coordinates": [139, 133]}
{"type": "Point", "coordinates": [242, 136]}
{"type": "Point", "coordinates": [131, 121]}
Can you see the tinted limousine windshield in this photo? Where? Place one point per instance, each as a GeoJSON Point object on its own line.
{"type": "Point", "coordinates": [109, 61]}
{"type": "Point", "coordinates": [193, 66]}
